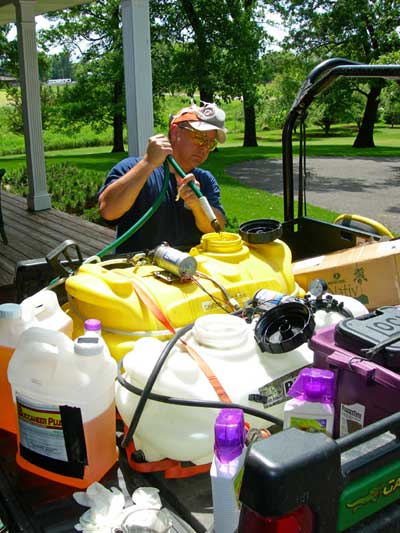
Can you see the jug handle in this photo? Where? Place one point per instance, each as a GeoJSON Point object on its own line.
{"type": "Point", "coordinates": [47, 336]}
{"type": "Point", "coordinates": [45, 297]}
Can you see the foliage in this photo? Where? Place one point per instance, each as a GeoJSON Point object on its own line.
{"type": "Point", "coordinates": [286, 72]}
{"type": "Point", "coordinates": [210, 46]}
{"type": "Point", "coordinates": [339, 104]}
{"type": "Point", "coordinates": [72, 189]}
{"type": "Point", "coordinates": [61, 65]}
{"type": "Point", "coordinates": [14, 112]}
{"type": "Point", "coordinates": [99, 76]}
{"type": "Point", "coordinates": [391, 103]}
{"type": "Point", "coordinates": [361, 30]}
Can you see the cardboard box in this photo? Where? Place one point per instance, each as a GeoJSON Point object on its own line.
{"type": "Point", "coordinates": [370, 273]}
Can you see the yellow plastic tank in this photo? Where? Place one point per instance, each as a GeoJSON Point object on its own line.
{"type": "Point", "coordinates": [226, 268]}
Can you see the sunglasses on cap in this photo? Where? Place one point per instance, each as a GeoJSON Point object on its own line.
{"type": "Point", "coordinates": [200, 138]}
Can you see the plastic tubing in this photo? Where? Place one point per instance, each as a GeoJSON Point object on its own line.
{"type": "Point", "coordinates": [182, 174]}
{"type": "Point", "coordinates": [149, 213]}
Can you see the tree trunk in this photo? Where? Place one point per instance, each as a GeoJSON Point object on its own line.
{"type": "Point", "coordinates": [118, 137]}
{"type": "Point", "coordinates": [206, 95]}
{"type": "Point", "coordinates": [118, 123]}
{"type": "Point", "coordinates": [365, 136]}
{"type": "Point", "coordinates": [250, 137]}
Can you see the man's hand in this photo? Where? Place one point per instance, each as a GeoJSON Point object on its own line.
{"type": "Point", "coordinates": [157, 150]}
{"type": "Point", "coordinates": [185, 192]}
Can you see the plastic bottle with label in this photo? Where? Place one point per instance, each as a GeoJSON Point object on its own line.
{"type": "Point", "coordinates": [64, 394]}
{"type": "Point", "coordinates": [12, 324]}
{"type": "Point", "coordinates": [312, 405]}
{"type": "Point", "coordinates": [227, 468]}
{"type": "Point", "coordinates": [40, 309]}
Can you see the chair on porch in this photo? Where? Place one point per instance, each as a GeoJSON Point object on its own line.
{"type": "Point", "coordinates": [2, 230]}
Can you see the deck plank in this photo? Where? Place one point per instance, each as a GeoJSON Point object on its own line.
{"type": "Point", "coordinates": [33, 235]}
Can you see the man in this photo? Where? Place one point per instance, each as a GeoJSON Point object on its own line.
{"type": "Point", "coordinates": [134, 184]}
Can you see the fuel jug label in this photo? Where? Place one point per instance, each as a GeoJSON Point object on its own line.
{"type": "Point", "coordinates": [41, 429]}
{"type": "Point", "coordinates": [276, 391]}
{"type": "Point", "coordinates": [351, 418]}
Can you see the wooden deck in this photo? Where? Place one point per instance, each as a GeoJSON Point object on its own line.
{"type": "Point", "coordinates": [32, 235]}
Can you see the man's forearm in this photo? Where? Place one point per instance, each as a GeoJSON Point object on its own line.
{"type": "Point", "coordinates": [120, 195]}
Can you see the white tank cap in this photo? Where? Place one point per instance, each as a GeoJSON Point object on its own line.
{"type": "Point", "coordinates": [86, 345]}
{"type": "Point", "coordinates": [10, 311]}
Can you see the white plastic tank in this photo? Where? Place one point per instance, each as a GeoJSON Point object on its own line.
{"type": "Point", "coordinates": [227, 345]}
{"type": "Point", "coordinates": [64, 395]}
{"type": "Point", "coordinates": [249, 376]}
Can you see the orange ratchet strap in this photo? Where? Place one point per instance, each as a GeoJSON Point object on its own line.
{"type": "Point", "coordinates": [148, 301]}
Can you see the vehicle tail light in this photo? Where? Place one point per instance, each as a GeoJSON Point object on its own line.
{"type": "Point", "coordinates": [299, 521]}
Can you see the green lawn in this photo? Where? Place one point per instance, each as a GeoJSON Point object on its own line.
{"type": "Point", "coordinates": [241, 202]}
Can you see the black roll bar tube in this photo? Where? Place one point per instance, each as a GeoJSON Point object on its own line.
{"type": "Point", "coordinates": [319, 79]}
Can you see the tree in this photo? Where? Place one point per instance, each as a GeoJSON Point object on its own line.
{"type": "Point", "coordinates": [99, 76]}
{"type": "Point", "coordinates": [214, 47]}
{"type": "Point", "coordinates": [337, 104]}
{"type": "Point", "coordinates": [61, 65]}
{"type": "Point", "coordinates": [391, 104]}
{"type": "Point", "coordinates": [361, 30]}
{"type": "Point", "coordinates": [284, 73]}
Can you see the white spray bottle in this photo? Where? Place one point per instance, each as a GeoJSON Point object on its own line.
{"type": "Point", "coordinates": [312, 405]}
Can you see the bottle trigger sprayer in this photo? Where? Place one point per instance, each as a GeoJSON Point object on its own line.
{"type": "Point", "coordinates": [203, 199]}
{"type": "Point", "coordinates": [226, 469]}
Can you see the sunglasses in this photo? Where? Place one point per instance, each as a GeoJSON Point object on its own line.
{"type": "Point", "coordinates": [200, 139]}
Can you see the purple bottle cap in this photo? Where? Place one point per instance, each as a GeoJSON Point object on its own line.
{"type": "Point", "coordinates": [229, 434]}
{"type": "Point", "coordinates": [314, 385]}
{"type": "Point", "coordinates": [92, 324]}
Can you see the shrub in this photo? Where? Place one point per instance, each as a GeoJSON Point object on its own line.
{"type": "Point", "coordinates": [73, 190]}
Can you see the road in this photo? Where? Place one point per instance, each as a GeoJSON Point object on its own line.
{"type": "Point", "coordinates": [367, 186]}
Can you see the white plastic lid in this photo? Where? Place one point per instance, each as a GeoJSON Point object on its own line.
{"type": "Point", "coordinates": [86, 345]}
{"type": "Point", "coordinates": [10, 311]}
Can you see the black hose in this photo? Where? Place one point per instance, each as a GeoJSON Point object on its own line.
{"type": "Point", "coordinates": [198, 403]}
{"type": "Point", "coordinates": [146, 394]}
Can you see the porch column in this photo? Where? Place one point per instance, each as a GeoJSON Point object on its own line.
{"type": "Point", "coordinates": [38, 197]}
{"type": "Point", "coordinates": [137, 69]}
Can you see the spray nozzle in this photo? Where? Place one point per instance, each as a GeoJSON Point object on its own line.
{"type": "Point", "coordinates": [203, 199]}
{"type": "Point", "coordinates": [230, 434]}
{"type": "Point", "coordinates": [314, 385]}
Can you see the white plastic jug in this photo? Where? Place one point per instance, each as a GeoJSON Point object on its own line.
{"type": "Point", "coordinates": [47, 312]}
{"type": "Point", "coordinates": [40, 309]}
{"type": "Point", "coordinates": [249, 376]}
{"type": "Point", "coordinates": [64, 396]}
{"type": "Point", "coordinates": [12, 324]}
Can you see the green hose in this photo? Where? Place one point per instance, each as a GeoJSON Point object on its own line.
{"type": "Point", "coordinates": [149, 213]}
{"type": "Point", "coordinates": [182, 174]}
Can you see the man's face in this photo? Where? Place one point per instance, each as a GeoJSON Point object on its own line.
{"type": "Point", "coordinates": [191, 147]}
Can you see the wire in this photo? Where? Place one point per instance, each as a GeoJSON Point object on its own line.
{"type": "Point", "coordinates": [216, 300]}
{"type": "Point", "coordinates": [229, 300]}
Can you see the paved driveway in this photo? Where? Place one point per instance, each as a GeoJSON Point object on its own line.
{"type": "Point", "coordinates": [366, 186]}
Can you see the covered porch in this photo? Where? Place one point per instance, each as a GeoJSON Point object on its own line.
{"type": "Point", "coordinates": [138, 82]}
